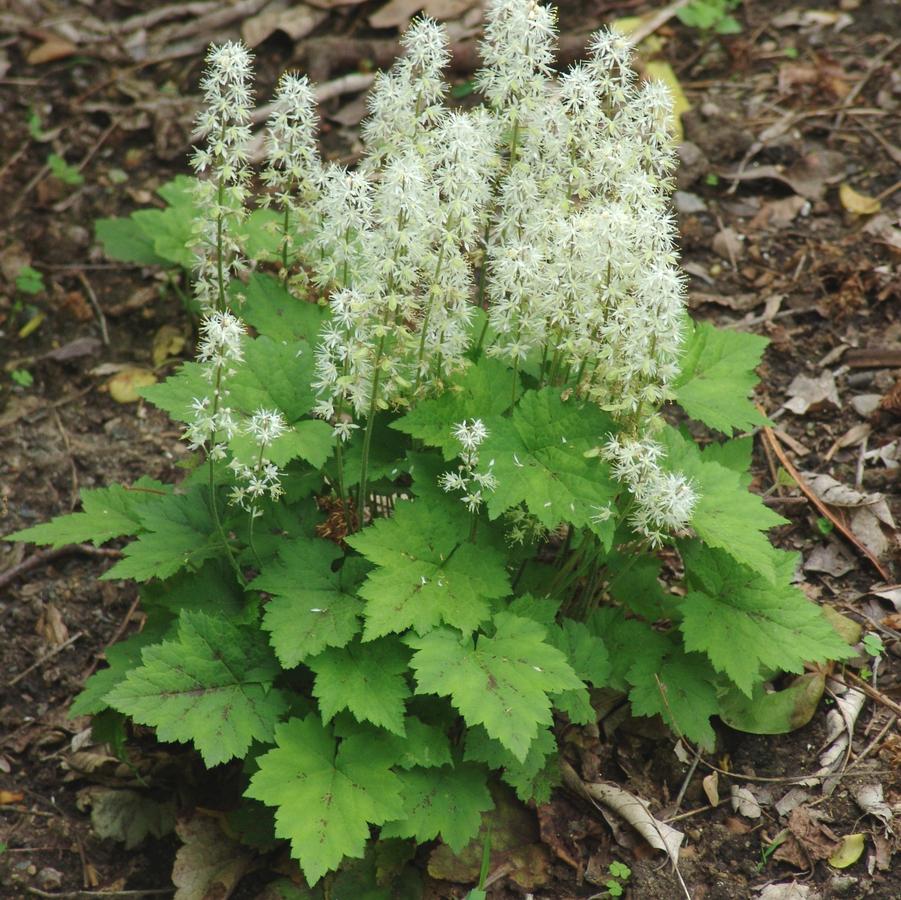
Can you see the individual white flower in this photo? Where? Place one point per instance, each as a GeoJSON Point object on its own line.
{"type": "Point", "coordinates": [265, 426]}
{"type": "Point", "coordinates": [474, 484]}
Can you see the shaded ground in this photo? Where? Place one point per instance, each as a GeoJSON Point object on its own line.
{"type": "Point", "coordinates": [815, 97]}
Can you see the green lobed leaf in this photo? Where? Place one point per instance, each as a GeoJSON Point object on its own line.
{"type": "Point", "coordinates": [446, 802]}
{"type": "Point", "coordinates": [427, 572]}
{"type": "Point", "coordinates": [718, 375]}
{"type": "Point", "coordinates": [503, 682]}
{"type": "Point", "coordinates": [178, 533]}
{"type": "Point", "coordinates": [539, 459]}
{"type": "Point", "coordinates": [432, 421]}
{"type": "Point", "coordinates": [533, 778]}
{"type": "Point", "coordinates": [121, 658]}
{"type": "Point", "coordinates": [327, 795]}
{"type": "Point", "coordinates": [313, 606]}
{"type": "Point", "coordinates": [421, 745]}
{"type": "Point", "coordinates": [367, 679]}
{"type": "Point", "coordinates": [125, 240]}
{"type": "Point", "coordinates": [677, 686]}
{"type": "Point", "coordinates": [727, 515]}
{"type": "Point", "coordinates": [746, 624]}
{"type": "Point", "coordinates": [107, 513]}
{"type": "Point", "coordinates": [211, 685]}
{"type": "Point", "coordinates": [276, 313]}
{"type": "Point", "coordinates": [589, 659]}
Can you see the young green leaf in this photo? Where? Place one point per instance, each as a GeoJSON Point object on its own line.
{"type": "Point", "coordinates": [428, 572]}
{"type": "Point", "coordinates": [539, 459]}
{"type": "Point", "coordinates": [327, 796]}
{"type": "Point", "coordinates": [446, 802]}
{"type": "Point", "coordinates": [367, 679]}
{"type": "Point", "coordinates": [727, 515]}
{"type": "Point", "coordinates": [313, 607]}
{"type": "Point", "coordinates": [746, 624]}
{"type": "Point", "coordinates": [502, 682]}
{"type": "Point", "coordinates": [211, 685]}
{"type": "Point", "coordinates": [107, 513]}
{"type": "Point", "coordinates": [718, 375]}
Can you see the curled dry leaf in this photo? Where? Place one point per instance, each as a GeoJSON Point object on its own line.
{"type": "Point", "coordinates": [126, 816]}
{"type": "Point", "coordinates": [710, 784]}
{"type": "Point", "coordinates": [870, 799]}
{"type": "Point", "coordinates": [745, 803]}
{"type": "Point", "coordinates": [789, 890]}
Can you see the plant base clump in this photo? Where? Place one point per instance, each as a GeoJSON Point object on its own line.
{"type": "Point", "coordinates": [432, 473]}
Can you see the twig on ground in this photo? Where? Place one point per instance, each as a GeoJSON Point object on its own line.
{"type": "Point", "coordinates": [42, 557]}
{"type": "Point", "coordinates": [101, 319]}
{"type": "Point", "coordinates": [648, 27]}
{"type": "Point", "coordinates": [47, 656]}
{"type": "Point", "coordinates": [872, 693]}
{"type": "Point", "coordinates": [88, 895]}
{"type": "Point", "coordinates": [873, 66]}
{"type": "Point", "coordinates": [823, 509]}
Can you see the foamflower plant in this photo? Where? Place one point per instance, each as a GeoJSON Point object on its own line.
{"type": "Point", "coordinates": [435, 472]}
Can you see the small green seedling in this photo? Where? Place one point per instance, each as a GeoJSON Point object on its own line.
{"type": "Point", "coordinates": [22, 377]}
{"type": "Point", "coordinates": [29, 281]}
{"type": "Point", "coordinates": [767, 851]}
{"type": "Point", "coordinates": [620, 874]}
{"type": "Point", "coordinates": [824, 526]}
{"type": "Point", "coordinates": [872, 643]}
{"type": "Point", "coordinates": [711, 16]}
{"type": "Point", "coordinates": [63, 171]}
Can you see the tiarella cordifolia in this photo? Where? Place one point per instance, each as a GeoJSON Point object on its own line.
{"type": "Point", "coordinates": [219, 351]}
{"type": "Point", "coordinates": [222, 189]}
{"type": "Point", "coordinates": [472, 483]}
{"type": "Point", "coordinates": [548, 207]}
{"type": "Point", "coordinates": [292, 171]}
{"type": "Point", "coordinates": [262, 478]}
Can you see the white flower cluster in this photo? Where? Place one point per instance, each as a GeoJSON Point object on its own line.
{"type": "Point", "coordinates": [222, 195]}
{"type": "Point", "coordinates": [473, 484]}
{"type": "Point", "coordinates": [292, 172]}
{"type": "Point", "coordinates": [219, 350]}
{"type": "Point", "coordinates": [662, 502]}
{"type": "Point", "coordinates": [263, 478]}
{"type": "Point", "coordinates": [548, 208]}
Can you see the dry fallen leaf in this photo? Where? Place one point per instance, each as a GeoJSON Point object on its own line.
{"type": "Point", "coordinates": [52, 49]}
{"type": "Point", "coordinates": [710, 784]}
{"type": "Point", "coordinates": [806, 393]}
{"type": "Point", "coordinates": [124, 386]}
{"type": "Point", "coordinates": [831, 558]}
{"type": "Point", "coordinates": [869, 514]}
{"type": "Point", "coordinates": [857, 203]}
{"type": "Point", "coordinates": [208, 864]}
{"type": "Point", "coordinates": [169, 341]}
{"type": "Point", "coordinates": [729, 244]}
{"type": "Point", "coordinates": [789, 890]}
{"type": "Point", "coordinates": [50, 626]}
{"type": "Point", "coordinates": [870, 799]}
{"type": "Point", "coordinates": [397, 13]}
{"type": "Point", "coordinates": [295, 21]}
{"type": "Point", "coordinates": [745, 803]}
{"type": "Point", "coordinates": [7, 797]}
